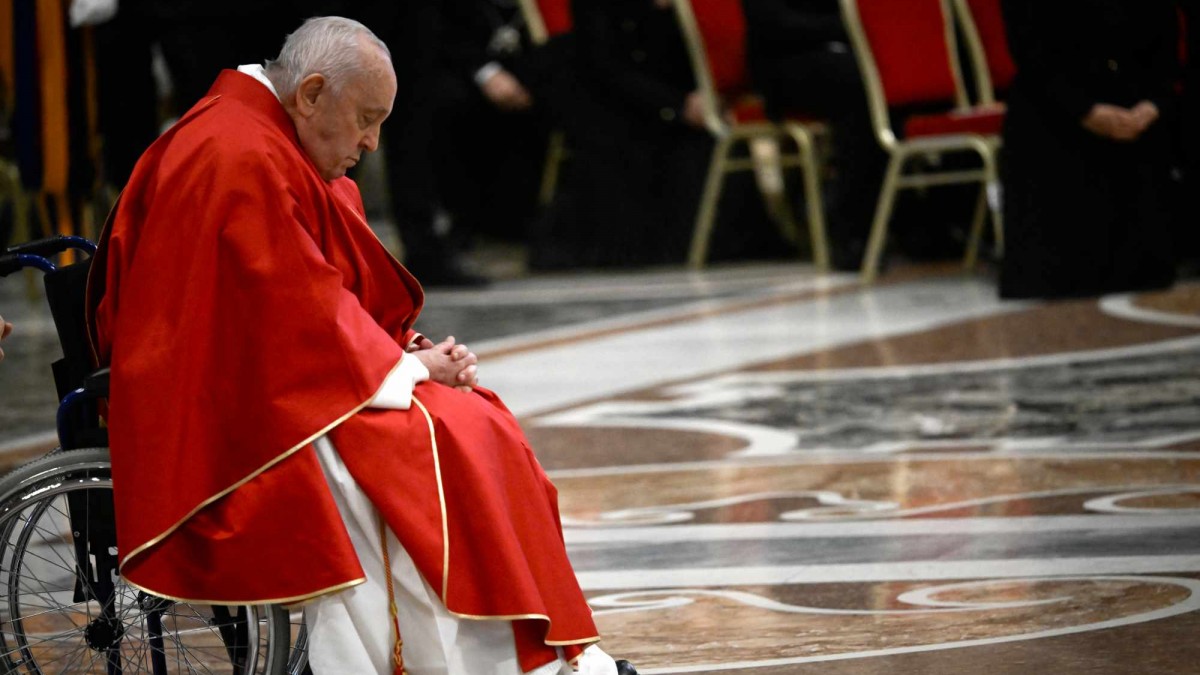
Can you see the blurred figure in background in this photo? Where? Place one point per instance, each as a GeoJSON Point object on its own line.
{"type": "Point", "coordinates": [197, 39]}
{"type": "Point", "coordinates": [1087, 156]}
{"type": "Point", "coordinates": [127, 97]}
{"type": "Point", "coordinates": [413, 30]}
{"type": "Point", "coordinates": [636, 136]}
{"type": "Point", "coordinates": [801, 62]}
{"type": "Point", "coordinates": [491, 126]}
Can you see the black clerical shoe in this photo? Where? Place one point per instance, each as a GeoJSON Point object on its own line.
{"type": "Point", "coordinates": [446, 271]}
{"type": "Point", "coordinates": [847, 256]}
{"type": "Point", "coordinates": [625, 668]}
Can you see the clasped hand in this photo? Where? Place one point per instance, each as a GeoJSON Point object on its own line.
{"type": "Point", "coordinates": [449, 363]}
{"type": "Point", "coordinates": [5, 329]}
{"type": "Point", "coordinates": [506, 92]}
{"type": "Point", "coordinates": [1120, 124]}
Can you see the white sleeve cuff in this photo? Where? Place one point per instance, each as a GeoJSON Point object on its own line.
{"type": "Point", "coordinates": [397, 389]}
{"type": "Point", "coordinates": [91, 12]}
{"type": "Point", "coordinates": [486, 72]}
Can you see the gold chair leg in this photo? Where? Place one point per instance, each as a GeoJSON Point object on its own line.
{"type": "Point", "coordinates": [767, 157]}
{"type": "Point", "coordinates": [814, 204]}
{"type": "Point", "coordinates": [972, 254]}
{"type": "Point", "coordinates": [779, 208]}
{"type": "Point", "coordinates": [555, 150]}
{"type": "Point", "coordinates": [707, 213]}
{"type": "Point", "coordinates": [997, 208]}
{"type": "Point", "coordinates": [995, 198]}
{"type": "Point", "coordinates": [883, 213]}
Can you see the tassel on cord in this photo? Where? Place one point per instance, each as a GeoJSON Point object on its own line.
{"type": "Point", "coordinates": [398, 649]}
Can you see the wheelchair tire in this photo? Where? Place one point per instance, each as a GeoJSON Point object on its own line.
{"type": "Point", "coordinates": [65, 609]}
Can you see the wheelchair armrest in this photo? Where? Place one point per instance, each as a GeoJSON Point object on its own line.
{"type": "Point", "coordinates": [97, 382]}
{"type": "Point", "coordinates": [53, 246]}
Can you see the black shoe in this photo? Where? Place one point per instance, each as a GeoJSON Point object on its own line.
{"type": "Point", "coordinates": [551, 258]}
{"type": "Point", "coordinates": [847, 256]}
{"type": "Point", "coordinates": [625, 668]}
{"type": "Point", "coordinates": [446, 272]}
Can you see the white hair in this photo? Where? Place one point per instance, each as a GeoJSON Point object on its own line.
{"type": "Point", "coordinates": [329, 45]}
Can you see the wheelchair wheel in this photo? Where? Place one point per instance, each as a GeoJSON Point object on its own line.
{"type": "Point", "coordinates": [65, 609]}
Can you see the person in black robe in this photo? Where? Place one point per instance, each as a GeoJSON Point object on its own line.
{"type": "Point", "coordinates": [197, 39]}
{"type": "Point", "coordinates": [1086, 147]}
{"type": "Point", "coordinates": [801, 62]}
{"type": "Point", "coordinates": [492, 121]}
{"type": "Point", "coordinates": [1187, 207]}
{"type": "Point", "coordinates": [638, 148]}
{"type": "Point", "coordinates": [412, 29]}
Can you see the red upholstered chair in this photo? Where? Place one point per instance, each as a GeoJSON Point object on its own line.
{"type": "Point", "coordinates": [908, 56]}
{"type": "Point", "coordinates": [715, 34]}
{"type": "Point", "coordinates": [992, 64]}
{"type": "Point", "coordinates": [546, 19]}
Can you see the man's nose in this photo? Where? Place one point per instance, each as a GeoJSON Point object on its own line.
{"type": "Point", "coordinates": [370, 142]}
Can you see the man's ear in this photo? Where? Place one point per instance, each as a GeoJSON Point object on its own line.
{"type": "Point", "coordinates": [310, 90]}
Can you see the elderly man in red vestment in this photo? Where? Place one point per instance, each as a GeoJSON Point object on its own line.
{"type": "Point", "coordinates": [279, 432]}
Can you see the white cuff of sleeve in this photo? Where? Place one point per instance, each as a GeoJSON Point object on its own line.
{"type": "Point", "coordinates": [397, 389]}
{"type": "Point", "coordinates": [486, 72]}
{"type": "Point", "coordinates": [91, 12]}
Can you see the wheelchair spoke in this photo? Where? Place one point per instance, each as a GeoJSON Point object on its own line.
{"type": "Point", "coordinates": [74, 654]}
{"type": "Point", "coordinates": [63, 517]}
{"type": "Point", "coordinates": [44, 562]}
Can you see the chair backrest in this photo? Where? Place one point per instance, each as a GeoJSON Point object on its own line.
{"type": "Point", "coordinates": [547, 18]}
{"type": "Point", "coordinates": [907, 53]}
{"type": "Point", "coordinates": [715, 34]}
{"type": "Point", "coordinates": [992, 64]}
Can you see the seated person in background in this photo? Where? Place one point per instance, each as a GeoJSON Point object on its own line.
{"type": "Point", "coordinates": [432, 250]}
{"type": "Point", "coordinates": [801, 62]}
{"type": "Point", "coordinates": [5, 329]}
{"type": "Point", "coordinates": [280, 432]}
{"type": "Point", "coordinates": [491, 127]}
{"type": "Point", "coordinates": [639, 150]}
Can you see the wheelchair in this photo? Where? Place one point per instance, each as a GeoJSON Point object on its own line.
{"type": "Point", "coordinates": [64, 607]}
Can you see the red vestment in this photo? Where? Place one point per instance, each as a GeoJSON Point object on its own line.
{"type": "Point", "coordinates": [246, 309]}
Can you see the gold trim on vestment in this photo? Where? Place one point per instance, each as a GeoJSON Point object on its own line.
{"type": "Point", "coordinates": [277, 459]}
{"type": "Point", "coordinates": [522, 617]}
{"type": "Point", "coordinates": [568, 643]}
{"type": "Point", "coordinates": [498, 617]}
{"type": "Point", "coordinates": [292, 600]}
{"type": "Point", "coordinates": [437, 472]}
{"type": "Point", "coordinates": [437, 467]}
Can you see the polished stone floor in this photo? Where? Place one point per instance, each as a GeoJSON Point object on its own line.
{"type": "Point", "coordinates": [767, 471]}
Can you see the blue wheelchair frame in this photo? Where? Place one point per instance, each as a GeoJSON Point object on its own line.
{"type": "Point", "coordinates": [80, 395]}
{"type": "Point", "coordinates": [78, 427]}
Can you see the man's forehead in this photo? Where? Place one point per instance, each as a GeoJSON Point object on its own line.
{"type": "Point", "coordinates": [378, 78]}
{"type": "Point", "coordinates": [373, 89]}
{"type": "Point", "coordinates": [377, 96]}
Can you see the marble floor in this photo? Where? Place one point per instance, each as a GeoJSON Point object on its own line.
{"type": "Point", "coordinates": [764, 471]}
